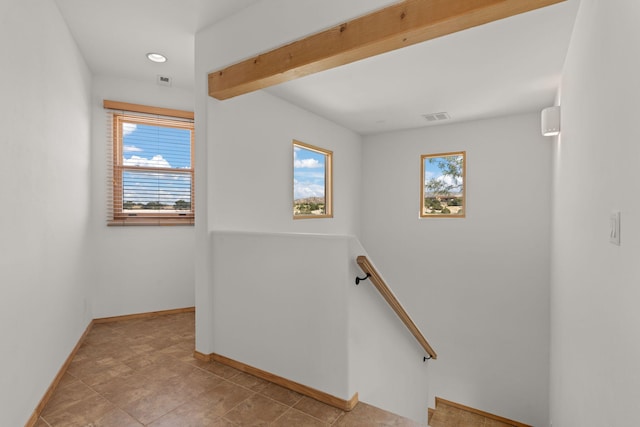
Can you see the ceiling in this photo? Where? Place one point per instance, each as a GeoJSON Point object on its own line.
{"type": "Point", "coordinates": [505, 67]}
{"type": "Point", "coordinates": [115, 35]}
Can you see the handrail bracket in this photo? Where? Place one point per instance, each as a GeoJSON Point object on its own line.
{"type": "Point", "coordinates": [360, 279]}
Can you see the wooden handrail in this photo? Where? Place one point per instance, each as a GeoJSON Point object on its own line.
{"type": "Point", "coordinates": [391, 299]}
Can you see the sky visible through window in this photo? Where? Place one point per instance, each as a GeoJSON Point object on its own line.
{"type": "Point", "coordinates": [308, 173]}
{"type": "Point", "coordinates": [433, 170]}
{"type": "Point", "coordinates": [443, 185]}
{"type": "Point", "coordinates": [157, 147]}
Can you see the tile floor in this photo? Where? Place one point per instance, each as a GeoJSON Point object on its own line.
{"type": "Point", "coordinates": [142, 373]}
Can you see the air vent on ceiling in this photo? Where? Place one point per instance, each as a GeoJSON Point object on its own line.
{"type": "Point", "coordinates": [436, 117]}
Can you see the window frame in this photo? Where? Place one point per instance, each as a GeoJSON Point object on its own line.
{"type": "Point", "coordinates": [153, 116]}
{"type": "Point", "coordinates": [463, 193]}
{"type": "Point", "coordinates": [328, 181]}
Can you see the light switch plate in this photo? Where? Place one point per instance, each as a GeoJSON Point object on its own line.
{"type": "Point", "coordinates": [163, 80]}
{"type": "Point", "coordinates": [614, 228]}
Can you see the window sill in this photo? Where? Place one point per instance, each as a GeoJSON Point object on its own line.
{"type": "Point", "coordinates": [150, 221]}
{"type": "Point", "coordinates": [312, 216]}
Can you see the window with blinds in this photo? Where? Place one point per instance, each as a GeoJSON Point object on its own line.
{"type": "Point", "coordinates": [151, 164]}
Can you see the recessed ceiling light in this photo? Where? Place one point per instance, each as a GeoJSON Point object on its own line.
{"type": "Point", "coordinates": [156, 57]}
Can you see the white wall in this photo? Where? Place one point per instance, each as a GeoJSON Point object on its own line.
{"type": "Point", "coordinates": [249, 183]}
{"type": "Point", "coordinates": [386, 365]}
{"type": "Point", "coordinates": [477, 287]}
{"type": "Point", "coordinates": [287, 303]}
{"type": "Point", "coordinates": [489, 323]}
{"type": "Point", "coordinates": [248, 138]}
{"type": "Point", "coordinates": [279, 304]}
{"type": "Point", "coordinates": [595, 291]}
{"type": "Point", "coordinates": [244, 144]}
{"type": "Point", "coordinates": [136, 269]}
{"type": "Point", "coordinates": [251, 166]}
{"type": "Point", "coordinates": [45, 118]}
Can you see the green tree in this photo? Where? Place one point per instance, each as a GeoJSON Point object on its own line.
{"type": "Point", "coordinates": [305, 208]}
{"type": "Point", "coordinates": [181, 205]}
{"type": "Point", "coordinates": [153, 205]}
{"type": "Point", "coordinates": [432, 203]}
{"type": "Point", "coordinates": [450, 179]}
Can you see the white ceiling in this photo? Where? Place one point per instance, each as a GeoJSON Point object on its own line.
{"type": "Point", "coordinates": [115, 35]}
{"type": "Point", "coordinates": [501, 68]}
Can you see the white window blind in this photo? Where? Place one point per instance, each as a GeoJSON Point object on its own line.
{"type": "Point", "coordinates": [150, 160]}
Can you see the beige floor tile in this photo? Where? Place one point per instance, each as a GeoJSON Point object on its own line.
{"type": "Point", "coordinates": [117, 418]}
{"type": "Point", "coordinates": [166, 369]}
{"type": "Point", "coordinates": [194, 384]}
{"type": "Point", "coordinates": [93, 364]}
{"type": "Point", "coordinates": [249, 381]}
{"type": "Point", "coordinates": [125, 389]}
{"type": "Point", "coordinates": [293, 417]}
{"type": "Point", "coordinates": [224, 397]}
{"type": "Point", "coordinates": [319, 410]}
{"type": "Point", "coordinates": [145, 360]}
{"type": "Point", "coordinates": [180, 350]}
{"type": "Point", "coordinates": [154, 406]}
{"type": "Point", "coordinates": [67, 378]}
{"type": "Point", "coordinates": [142, 372]}
{"type": "Point", "coordinates": [66, 396]}
{"type": "Point", "coordinates": [221, 370]}
{"type": "Point", "coordinates": [104, 376]}
{"type": "Point", "coordinates": [256, 411]}
{"type": "Point", "coordinates": [223, 422]}
{"type": "Point", "coordinates": [364, 415]}
{"type": "Point", "coordinates": [84, 412]}
{"type": "Point", "coordinates": [191, 414]}
{"type": "Point", "coordinates": [281, 394]}
{"type": "Point", "coordinates": [41, 423]}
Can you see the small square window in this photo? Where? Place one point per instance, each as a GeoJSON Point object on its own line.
{"type": "Point", "coordinates": [442, 182]}
{"type": "Point", "coordinates": [312, 182]}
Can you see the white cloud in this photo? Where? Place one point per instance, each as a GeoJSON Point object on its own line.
{"type": "Point", "coordinates": [304, 163]}
{"type": "Point", "coordinates": [428, 176]}
{"type": "Point", "coordinates": [307, 163]}
{"type": "Point", "coordinates": [302, 190]}
{"type": "Point", "coordinates": [131, 149]}
{"type": "Point", "coordinates": [309, 175]}
{"type": "Point", "coordinates": [449, 180]}
{"type": "Point", "coordinates": [128, 128]}
{"type": "Point", "coordinates": [157, 161]}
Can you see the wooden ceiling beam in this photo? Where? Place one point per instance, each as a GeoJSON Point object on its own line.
{"type": "Point", "coordinates": [399, 25]}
